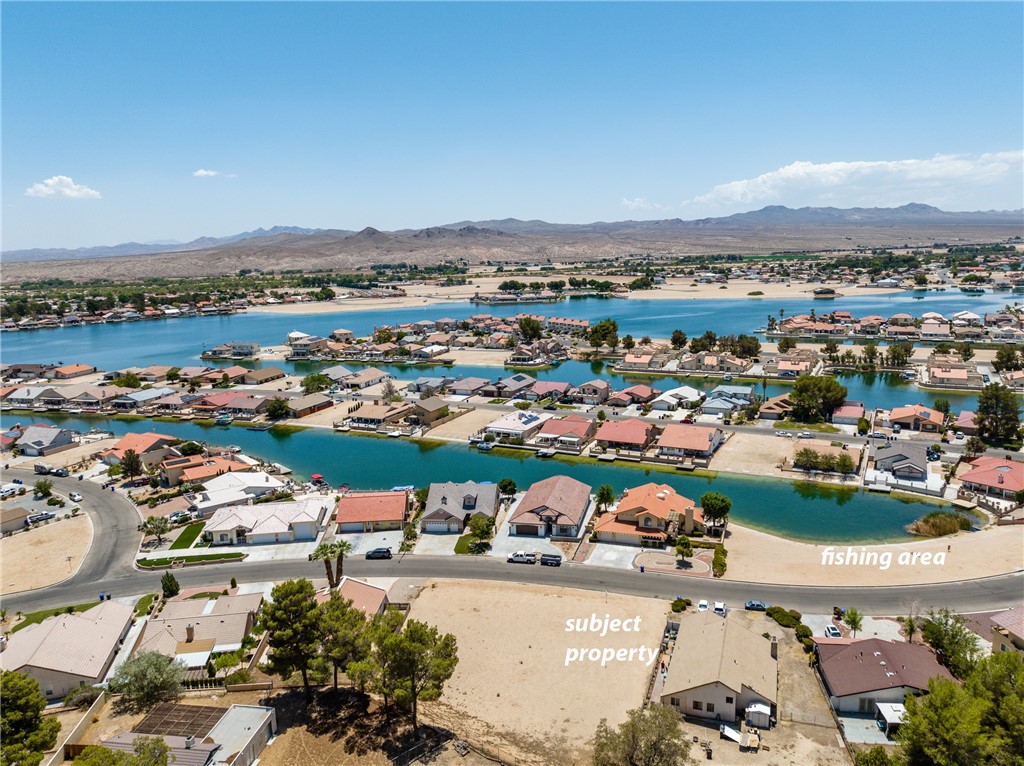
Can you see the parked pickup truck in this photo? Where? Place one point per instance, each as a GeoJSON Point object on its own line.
{"type": "Point", "coordinates": [519, 557]}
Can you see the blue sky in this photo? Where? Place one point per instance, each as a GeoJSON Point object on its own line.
{"type": "Point", "coordinates": [344, 115]}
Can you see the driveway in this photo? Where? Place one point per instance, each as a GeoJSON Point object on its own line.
{"type": "Point", "coordinates": [367, 541]}
{"type": "Point", "coordinates": [612, 555]}
{"type": "Point", "coordinates": [862, 730]}
{"type": "Point", "coordinates": [504, 543]}
{"type": "Point", "coordinates": [437, 543]}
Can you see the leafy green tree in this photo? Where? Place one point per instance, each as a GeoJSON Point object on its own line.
{"type": "Point", "coordinates": [966, 351]}
{"type": "Point", "coordinates": [942, 405]}
{"type": "Point", "coordinates": [816, 396]}
{"type": "Point", "coordinates": [343, 625]}
{"type": "Point", "coordinates": [944, 728]}
{"type": "Point", "coordinates": [43, 488]}
{"type": "Point", "coordinates": [974, 447]}
{"type": "Point", "coordinates": [831, 348]}
{"type": "Point", "coordinates": [190, 448]}
{"type": "Point", "coordinates": [128, 380]}
{"type": "Point", "coordinates": [277, 408]}
{"type": "Point", "coordinates": [389, 392]}
{"type": "Point", "coordinates": [746, 346]}
{"type": "Point", "coordinates": [628, 343]}
{"type": "Point", "coordinates": [602, 415]}
{"type": "Point", "coordinates": [383, 335]}
{"type": "Point", "coordinates": [507, 486]}
{"type": "Point", "coordinates": [845, 464]}
{"type": "Point", "coordinates": [786, 344]}
{"type": "Point", "coordinates": [146, 680]}
{"type": "Point", "coordinates": [377, 669]}
{"type": "Point", "coordinates": [716, 507]}
{"type": "Point", "coordinates": [131, 464]}
{"type": "Point", "coordinates": [648, 737]}
{"type": "Point", "coordinates": [156, 526]}
{"type": "Point", "coordinates": [530, 329]}
{"type": "Point", "coordinates": [955, 643]}
{"type": "Point", "coordinates": [684, 548]}
{"type": "Point", "coordinates": [25, 735]}
{"type": "Point", "coordinates": [295, 630]}
{"type": "Point", "coordinates": [1007, 358]}
{"type": "Point", "coordinates": [705, 342]}
{"type": "Point", "coordinates": [604, 332]}
{"type": "Point", "coordinates": [169, 585]}
{"type": "Point", "coordinates": [998, 414]}
{"type": "Point", "coordinates": [481, 526]}
{"type": "Point", "coordinates": [876, 756]}
{"type": "Point", "coordinates": [604, 497]}
{"type": "Point", "coordinates": [315, 383]}
{"type": "Point", "coordinates": [147, 751]}
{"type": "Point", "coordinates": [898, 354]}
{"type": "Point", "coordinates": [426, 660]}
{"type": "Point", "coordinates": [854, 620]}
{"type": "Point", "coordinates": [678, 339]}
{"type": "Point", "coordinates": [869, 353]}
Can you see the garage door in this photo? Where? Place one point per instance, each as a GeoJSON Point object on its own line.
{"type": "Point", "coordinates": [436, 526]}
{"type": "Point", "coordinates": [352, 526]}
{"type": "Point", "coordinates": [527, 529]}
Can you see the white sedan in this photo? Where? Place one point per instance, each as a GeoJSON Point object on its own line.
{"type": "Point", "coordinates": [703, 605]}
{"type": "Point", "coordinates": [75, 497]}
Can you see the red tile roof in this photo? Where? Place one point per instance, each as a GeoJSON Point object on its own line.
{"type": "Point", "coordinates": [630, 431]}
{"type": "Point", "coordinates": [371, 506]}
{"type": "Point", "coordinates": [998, 473]}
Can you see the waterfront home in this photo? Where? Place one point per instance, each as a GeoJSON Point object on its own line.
{"type": "Point", "coordinates": [1008, 631]}
{"type": "Point", "coordinates": [429, 352]}
{"type": "Point", "coordinates": [379, 414]}
{"type": "Point", "coordinates": [592, 392]}
{"type": "Point", "coordinates": [233, 374]}
{"type": "Point", "coordinates": [246, 407]}
{"type": "Point", "coordinates": [738, 669]}
{"type": "Point", "coordinates": [1000, 319]}
{"type": "Point", "coordinates": [212, 403]}
{"type": "Point", "coordinates": [631, 435]}
{"type": "Point", "coordinates": [343, 336]}
{"type": "Point", "coordinates": [28, 371]}
{"type": "Point", "coordinates": [193, 629]}
{"type": "Point", "coordinates": [569, 326]}
{"type": "Point", "coordinates": [675, 398]}
{"type": "Point", "coordinates": [371, 511]}
{"type": "Point", "coordinates": [901, 320]}
{"type": "Point", "coordinates": [301, 406]}
{"type": "Point", "coordinates": [645, 514]}
{"type": "Point", "coordinates": [994, 476]}
{"type": "Point", "coordinates": [235, 349]}
{"type": "Point", "coordinates": [174, 402]}
{"type": "Point", "coordinates": [151, 447]}
{"type": "Point", "coordinates": [859, 674]}
{"type": "Point", "coordinates": [428, 386]}
{"type": "Point", "coordinates": [966, 423]}
{"type": "Point", "coordinates": [966, 319]}
{"type": "Point", "coordinates": [679, 441]}
{"type": "Point", "coordinates": [950, 371]}
{"type": "Point", "coordinates": [364, 378]}
{"type": "Point", "coordinates": [849, 413]}
{"type": "Point", "coordinates": [714, 361]}
{"type": "Point", "coordinates": [263, 375]}
{"type": "Point", "coordinates": [154, 373]}
{"type": "Point", "coordinates": [904, 460]}
{"type": "Point", "coordinates": [968, 333]}
{"type": "Point", "coordinates": [899, 332]}
{"type": "Point", "coordinates": [28, 397]}
{"type": "Point", "coordinates": [517, 425]}
{"type": "Point", "coordinates": [235, 488]}
{"type": "Point", "coordinates": [67, 651]}
{"type": "Point", "coordinates": [451, 505]}
{"type": "Point", "coordinates": [73, 371]}
{"type": "Point", "coordinates": [776, 408]}
{"type": "Point", "coordinates": [721, 405]}
{"type": "Point", "coordinates": [42, 440]}
{"type": "Point", "coordinates": [142, 398]}
{"type": "Point", "coordinates": [195, 373]}
{"type": "Point", "coordinates": [428, 411]}
{"type": "Point", "coordinates": [571, 432]}
{"type": "Point", "coordinates": [1013, 379]}
{"type": "Point", "coordinates": [934, 329]}
{"type": "Point", "coordinates": [467, 386]}
{"type": "Point", "coordinates": [547, 389]}
{"type": "Point", "coordinates": [917, 417]}
{"type": "Point", "coordinates": [556, 507]}
{"type": "Point", "coordinates": [309, 346]}
{"type": "Point", "coordinates": [639, 394]}
{"type": "Point", "coordinates": [195, 469]}
{"type": "Point", "coordinates": [743, 393]}
{"type": "Point", "coordinates": [510, 387]}
{"type": "Point", "coordinates": [869, 325]}
{"type": "Point", "coordinates": [297, 521]}
{"type": "Point", "coordinates": [792, 364]}
{"type": "Point", "coordinates": [640, 361]}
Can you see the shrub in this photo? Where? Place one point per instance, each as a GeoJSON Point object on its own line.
{"type": "Point", "coordinates": [82, 697]}
{"type": "Point", "coordinates": [718, 562]}
{"type": "Point", "coordinates": [782, 617]}
{"type": "Point", "coordinates": [802, 632]}
{"type": "Point", "coordinates": [795, 615]}
{"type": "Point", "coordinates": [680, 604]}
{"type": "Point", "coordinates": [240, 676]}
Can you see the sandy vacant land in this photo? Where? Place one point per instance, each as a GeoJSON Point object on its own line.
{"type": "Point", "coordinates": [755, 454]}
{"type": "Point", "coordinates": [39, 557]}
{"type": "Point", "coordinates": [512, 690]}
{"type": "Point", "coordinates": [758, 557]}
{"type": "Point", "coordinates": [464, 426]}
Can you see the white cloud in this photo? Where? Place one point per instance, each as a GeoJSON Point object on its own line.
{"type": "Point", "coordinates": [943, 179]}
{"type": "Point", "coordinates": [63, 187]}
{"type": "Point", "coordinates": [640, 203]}
{"type": "Point", "coordinates": [203, 173]}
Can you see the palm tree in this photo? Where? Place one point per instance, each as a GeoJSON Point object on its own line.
{"type": "Point", "coordinates": [325, 552]}
{"type": "Point", "coordinates": [605, 496]}
{"type": "Point", "coordinates": [341, 549]}
{"type": "Point", "coordinates": [156, 526]}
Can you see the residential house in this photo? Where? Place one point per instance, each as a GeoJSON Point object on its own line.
{"type": "Point", "coordinates": [776, 408]}
{"type": "Point", "coordinates": [342, 335]}
{"type": "Point", "coordinates": [639, 394]}
{"type": "Point", "coordinates": [428, 386]}
{"type": "Point", "coordinates": [592, 392]}
{"type": "Point", "coordinates": [151, 447]}
{"type": "Point", "coordinates": [193, 629]}
{"type": "Point", "coordinates": [645, 515]}
{"type": "Point", "coordinates": [904, 460]}
{"type": "Point", "coordinates": [371, 511]}
{"type": "Point", "coordinates": [738, 668]}
{"type": "Point", "coordinates": [29, 396]}
{"type": "Point", "coordinates": [195, 374]}
{"type": "Point", "coordinates": [556, 506]}
{"type": "Point", "coordinates": [263, 375]}
{"type": "Point", "coordinates": [429, 352]}
{"type": "Point", "coordinates": [196, 469]}
{"type": "Point", "coordinates": [934, 329]}
{"type": "Point", "coordinates": [301, 406]}
{"type": "Point", "coordinates": [1013, 379]}
{"type": "Point", "coordinates": [674, 398]}
{"type": "Point", "coordinates": [67, 651]}
{"type": "Point", "coordinates": [680, 441]}
{"type": "Point", "coordinates": [380, 414]}
{"type": "Point", "coordinates": [743, 393]}
{"type": "Point", "coordinates": [631, 435]}
{"type": "Point", "coordinates": [901, 320]}
{"type": "Point", "coordinates": [640, 361]}
{"type": "Point", "coordinates": [12, 518]}
{"type": "Point", "coordinates": [547, 389]}
{"type": "Point", "coordinates": [141, 399]}
{"type": "Point", "coordinates": [467, 386]}
{"type": "Point", "coordinates": [368, 599]}
{"type": "Point", "coordinates": [451, 505]}
{"type": "Point", "coordinates": [517, 425]}
{"type": "Point", "coordinates": [722, 405]}
{"type": "Point", "coordinates": [572, 432]}
{"type": "Point", "coordinates": [43, 440]}
{"type": "Point", "coordinates": [849, 413]}
{"type": "Point", "coordinates": [569, 326]}
{"type": "Point", "coordinates": [308, 347]}
{"type": "Point", "coordinates": [966, 319]}
{"type": "Point", "coordinates": [234, 488]}
{"type": "Point", "coordinates": [994, 476]}
{"type": "Point", "coordinates": [714, 361]}
{"type": "Point", "coordinates": [966, 423]}
{"type": "Point", "coordinates": [246, 407]}
{"type": "Point", "coordinates": [1008, 631]}
{"type": "Point", "coordinates": [793, 363]}
{"type": "Point", "coordinates": [900, 332]}
{"type": "Point", "coordinates": [289, 522]}
{"type": "Point", "coordinates": [73, 371]}
{"type": "Point", "coordinates": [364, 378]}
{"type": "Point", "coordinates": [510, 387]}
{"type": "Point", "coordinates": [859, 674]}
{"type": "Point", "coordinates": [917, 417]}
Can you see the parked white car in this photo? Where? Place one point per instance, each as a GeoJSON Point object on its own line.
{"type": "Point", "coordinates": [720, 609]}
{"type": "Point", "coordinates": [75, 497]}
{"type": "Point", "coordinates": [702, 605]}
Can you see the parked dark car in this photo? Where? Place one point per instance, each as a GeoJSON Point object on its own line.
{"type": "Point", "coordinates": [379, 553]}
{"type": "Point", "coordinates": [61, 473]}
{"type": "Point", "coordinates": [757, 606]}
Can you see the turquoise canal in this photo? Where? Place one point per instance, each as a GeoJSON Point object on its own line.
{"type": "Point", "coordinates": [800, 511]}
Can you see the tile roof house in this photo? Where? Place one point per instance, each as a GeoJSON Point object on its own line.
{"type": "Point", "coordinates": [450, 505]}
{"type": "Point", "coordinates": [632, 435]}
{"type": "Point", "coordinates": [591, 392]}
{"type": "Point", "coordinates": [859, 674]}
{"type": "Point", "coordinates": [994, 476]}
{"type": "Point", "coordinates": [544, 389]}
{"type": "Point", "coordinates": [848, 413]}
{"type": "Point", "coordinates": [678, 441]}
{"type": "Point", "coordinates": [364, 378]}
{"type": "Point", "coordinates": [1008, 631]}
{"type": "Point", "coordinates": [917, 417]}
{"type": "Point", "coordinates": [369, 599]}
{"type": "Point", "coordinates": [151, 447]}
{"type": "Point", "coordinates": [571, 432]}
{"type": "Point", "coordinates": [776, 408]}
{"type": "Point", "coordinates": [371, 511]}
{"type": "Point", "coordinates": [737, 669]}
{"type": "Point", "coordinates": [966, 423]}
{"type": "Point", "coordinates": [467, 386]}
{"type": "Point", "coordinates": [263, 375]}
{"type": "Point", "coordinates": [301, 406]}
{"type": "Point", "coordinates": [63, 652]}
{"type": "Point", "coordinates": [192, 629]}
{"type": "Point", "coordinates": [73, 371]}
{"type": "Point", "coordinates": [644, 515]}
{"type": "Point", "coordinates": [296, 521]}
{"type": "Point", "coordinates": [556, 506]}
{"type": "Point", "coordinates": [639, 394]}
{"type": "Point", "coordinates": [378, 414]}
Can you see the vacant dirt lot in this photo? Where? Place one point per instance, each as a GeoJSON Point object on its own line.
{"type": "Point", "coordinates": [39, 557]}
{"type": "Point", "coordinates": [755, 454]}
{"type": "Point", "coordinates": [464, 426]}
{"type": "Point", "coordinates": [512, 691]}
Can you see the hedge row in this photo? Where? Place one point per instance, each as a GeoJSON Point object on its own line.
{"type": "Point", "coordinates": [718, 562]}
{"type": "Point", "coordinates": [792, 619]}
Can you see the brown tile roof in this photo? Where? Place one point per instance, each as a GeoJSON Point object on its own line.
{"type": "Point", "coordinates": [873, 664]}
{"type": "Point", "coordinates": [365, 597]}
{"type": "Point", "coordinates": [696, 438]}
{"type": "Point", "coordinates": [657, 499]}
{"type": "Point", "coordinates": [560, 496]}
{"type": "Point", "coordinates": [371, 506]}
{"type": "Point", "coordinates": [1011, 620]}
{"type": "Point", "coordinates": [630, 431]}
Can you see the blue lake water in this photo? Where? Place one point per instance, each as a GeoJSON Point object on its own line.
{"type": "Point", "coordinates": [800, 511]}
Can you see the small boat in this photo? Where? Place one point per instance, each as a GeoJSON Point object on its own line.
{"type": "Point", "coordinates": [223, 420]}
{"type": "Point", "coordinates": [394, 434]}
{"type": "Point", "coordinates": [403, 488]}
{"type": "Point", "coordinates": [545, 453]}
{"type": "Point", "coordinates": [262, 427]}
{"type": "Point", "coordinates": [727, 378]}
{"type": "Point", "coordinates": [485, 446]}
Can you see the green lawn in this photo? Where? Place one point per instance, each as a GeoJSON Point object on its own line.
{"type": "Point", "coordinates": [147, 563]}
{"type": "Point", "coordinates": [465, 543]}
{"type": "Point", "coordinates": [188, 536]}
{"type": "Point", "coordinates": [142, 608]}
{"type": "Point", "coordinates": [33, 617]}
{"type": "Point", "coordinates": [208, 594]}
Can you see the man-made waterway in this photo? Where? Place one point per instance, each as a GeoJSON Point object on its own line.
{"type": "Point", "coordinates": [800, 511]}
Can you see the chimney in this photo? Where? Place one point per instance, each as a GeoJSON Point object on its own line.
{"type": "Point", "coordinates": [688, 521]}
{"type": "Point", "coordinates": [190, 633]}
{"type": "Point", "coordinates": [190, 742]}
{"type": "Point", "coordinates": [775, 648]}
